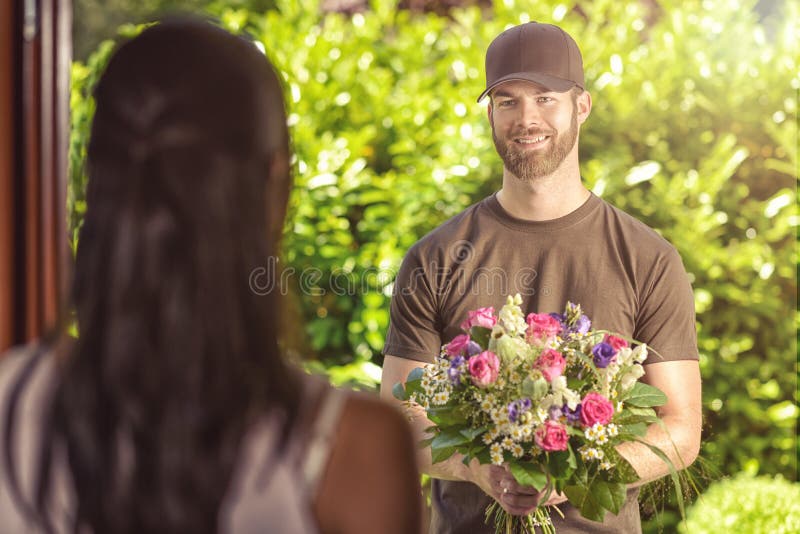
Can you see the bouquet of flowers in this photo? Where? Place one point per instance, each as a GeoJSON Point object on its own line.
{"type": "Point", "coordinates": [544, 394]}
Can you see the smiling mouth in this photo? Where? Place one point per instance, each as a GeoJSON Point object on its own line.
{"type": "Point", "coordinates": [531, 140]}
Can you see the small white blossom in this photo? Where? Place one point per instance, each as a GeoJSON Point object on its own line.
{"type": "Point", "coordinates": [591, 453]}
{"type": "Point", "coordinates": [496, 454]}
{"type": "Point", "coordinates": [562, 394]}
{"type": "Point", "coordinates": [441, 397]}
{"type": "Point", "coordinates": [640, 353]}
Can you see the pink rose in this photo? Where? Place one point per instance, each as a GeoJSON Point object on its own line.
{"type": "Point", "coordinates": [542, 326]}
{"type": "Point", "coordinates": [551, 436]}
{"type": "Point", "coordinates": [457, 345]}
{"type": "Point", "coordinates": [551, 363]}
{"type": "Point", "coordinates": [595, 408]}
{"type": "Point", "coordinates": [481, 317]}
{"type": "Point", "coordinates": [616, 342]}
{"type": "Point", "coordinates": [483, 368]}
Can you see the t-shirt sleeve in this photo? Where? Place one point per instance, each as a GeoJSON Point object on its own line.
{"type": "Point", "coordinates": [666, 318]}
{"type": "Point", "coordinates": [413, 332]}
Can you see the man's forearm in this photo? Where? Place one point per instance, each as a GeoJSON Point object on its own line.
{"type": "Point", "coordinates": [674, 438]}
{"type": "Point", "coordinates": [451, 469]}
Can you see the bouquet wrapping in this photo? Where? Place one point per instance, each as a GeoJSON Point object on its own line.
{"type": "Point", "coordinates": [547, 396]}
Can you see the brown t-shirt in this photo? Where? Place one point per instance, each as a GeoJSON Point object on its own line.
{"type": "Point", "coordinates": [624, 275]}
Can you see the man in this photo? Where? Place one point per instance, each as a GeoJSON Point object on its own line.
{"type": "Point", "coordinates": [545, 236]}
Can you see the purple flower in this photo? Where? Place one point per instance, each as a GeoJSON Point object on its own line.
{"type": "Point", "coordinates": [561, 318]}
{"type": "Point", "coordinates": [555, 412]}
{"type": "Point", "coordinates": [573, 416]}
{"type": "Point", "coordinates": [603, 354]}
{"type": "Point", "coordinates": [582, 325]}
{"type": "Point", "coordinates": [517, 408]}
{"type": "Point", "coordinates": [456, 369]}
{"type": "Point", "coordinates": [473, 349]}
{"type": "Point", "coordinates": [513, 412]}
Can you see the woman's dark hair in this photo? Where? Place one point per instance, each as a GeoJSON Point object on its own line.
{"type": "Point", "coordinates": [177, 356]}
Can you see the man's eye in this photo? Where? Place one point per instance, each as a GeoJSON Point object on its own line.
{"type": "Point", "coordinates": [505, 103]}
{"type": "Point", "coordinates": [545, 99]}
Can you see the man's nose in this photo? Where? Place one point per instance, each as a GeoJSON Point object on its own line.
{"type": "Point", "coordinates": [530, 114]}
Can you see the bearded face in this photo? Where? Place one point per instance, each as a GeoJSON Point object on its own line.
{"type": "Point", "coordinates": [531, 153]}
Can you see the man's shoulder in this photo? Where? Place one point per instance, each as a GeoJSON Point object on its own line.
{"type": "Point", "coordinates": [452, 232]}
{"type": "Point", "coordinates": [632, 230]}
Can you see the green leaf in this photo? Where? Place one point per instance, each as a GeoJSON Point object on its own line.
{"type": "Point", "coordinates": [635, 414]}
{"type": "Point", "coordinates": [609, 495]}
{"type": "Point", "coordinates": [623, 471]}
{"type": "Point", "coordinates": [449, 438]}
{"type": "Point", "coordinates": [399, 392]}
{"type": "Point", "coordinates": [561, 464]}
{"type": "Point", "coordinates": [635, 430]}
{"type": "Point", "coordinates": [529, 474]}
{"type": "Point", "coordinates": [416, 374]}
{"type": "Point", "coordinates": [441, 454]}
{"type": "Point", "coordinates": [582, 499]}
{"type": "Point", "coordinates": [644, 395]}
{"type": "Point", "coordinates": [480, 335]}
{"type": "Point", "coordinates": [447, 415]}
{"type": "Point", "coordinates": [472, 433]}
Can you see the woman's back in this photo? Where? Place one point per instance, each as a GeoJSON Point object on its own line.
{"type": "Point", "coordinates": [342, 449]}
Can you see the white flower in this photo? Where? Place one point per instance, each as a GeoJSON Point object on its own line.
{"type": "Point", "coordinates": [631, 376]}
{"type": "Point", "coordinates": [517, 451]}
{"type": "Point", "coordinates": [640, 353]}
{"type": "Point", "coordinates": [512, 319]}
{"type": "Point", "coordinates": [591, 453]}
{"type": "Point", "coordinates": [562, 394]}
{"type": "Point", "coordinates": [496, 454]}
{"type": "Point", "coordinates": [605, 465]}
{"type": "Point", "coordinates": [507, 443]}
{"type": "Point", "coordinates": [612, 430]}
{"type": "Point", "coordinates": [596, 433]}
{"type": "Point", "coordinates": [625, 356]}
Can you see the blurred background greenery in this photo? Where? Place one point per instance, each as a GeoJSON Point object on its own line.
{"type": "Point", "coordinates": [693, 131]}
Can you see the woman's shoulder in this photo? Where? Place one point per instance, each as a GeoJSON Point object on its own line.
{"type": "Point", "coordinates": [26, 365]}
{"type": "Point", "coordinates": [372, 460]}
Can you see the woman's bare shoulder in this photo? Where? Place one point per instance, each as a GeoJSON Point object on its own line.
{"type": "Point", "coordinates": [372, 481]}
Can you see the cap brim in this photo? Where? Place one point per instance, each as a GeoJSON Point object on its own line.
{"type": "Point", "coordinates": [551, 83]}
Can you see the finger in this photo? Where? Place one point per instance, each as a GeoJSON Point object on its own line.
{"type": "Point", "coordinates": [515, 487]}
{"type": "Point", "coordinates": [518, 504]}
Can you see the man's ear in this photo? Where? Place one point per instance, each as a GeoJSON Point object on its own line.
{"type": "Point", "coordinates": [489, 112]}
{"type": "Point", "coordinates": [583, 106]}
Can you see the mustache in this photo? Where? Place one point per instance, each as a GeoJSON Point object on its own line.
{"type": "Point", "coordinates": [531, 132]}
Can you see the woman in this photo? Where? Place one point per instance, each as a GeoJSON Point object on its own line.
{"type": "Point", "coordinates": [174, 411]}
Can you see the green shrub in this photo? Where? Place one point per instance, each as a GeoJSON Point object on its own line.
{"type": "Point", "coordinates": [693, 131]}
{"type": "Point", "coordinates": [752, 505]}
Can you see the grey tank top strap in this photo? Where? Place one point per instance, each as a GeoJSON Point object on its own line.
{"type": "Point", "coordinates": [321, 438]}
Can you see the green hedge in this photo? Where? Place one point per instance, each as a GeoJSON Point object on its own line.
{"type": "Point", "coordinates": [755, 505]}
{"type": "Point", "coordinates": [693, 131]}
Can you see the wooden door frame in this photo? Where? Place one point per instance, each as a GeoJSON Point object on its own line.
{"type": "Point", "coordinates": [34, 134]}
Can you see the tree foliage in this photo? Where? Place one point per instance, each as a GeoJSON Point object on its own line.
{"type": "Point", "coordinates": [693, 130]}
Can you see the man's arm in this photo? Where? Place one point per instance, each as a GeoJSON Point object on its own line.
{"type": "Point", "coordinates": [495, 481]}
{"type": "Point", "coordinates": [679, 436]}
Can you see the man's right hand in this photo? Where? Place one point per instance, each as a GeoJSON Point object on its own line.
{"type": "Point", "coordinates": [500, 484]}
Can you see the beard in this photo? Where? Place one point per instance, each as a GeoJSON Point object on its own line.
{"type": "Point", "coordinates": [528, 165]}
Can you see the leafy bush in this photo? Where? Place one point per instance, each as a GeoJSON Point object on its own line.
{"type": "Point", "coordinates": [693, 131]}
{"type": "Point", "coordinates": [756, 505]}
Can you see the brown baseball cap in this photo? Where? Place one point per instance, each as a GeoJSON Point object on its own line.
{"type": "Point", "coordinates": [534, 52]}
